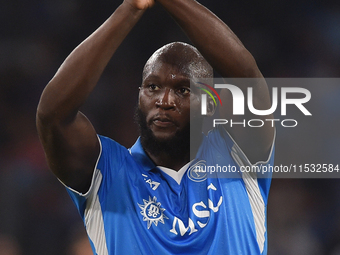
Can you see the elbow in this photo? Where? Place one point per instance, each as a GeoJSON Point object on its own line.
{"type": "Point", "coordinates": [46, 113]}
{"type": "Point", "coordinates": [240, 64]}
{"type": "Point", "coordinates": [42, 123]}
{"type": "Point", "coordinates": [51, 108]}
{"type": "Point", "coordinates": [43, 117]}
{"type": "Point", "coordinates": [49, 114]}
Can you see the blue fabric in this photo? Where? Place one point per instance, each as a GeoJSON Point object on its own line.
{"type": "Point", "coordinates": [146, 212]}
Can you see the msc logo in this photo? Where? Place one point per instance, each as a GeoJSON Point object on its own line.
{"type": "Point", "coordinates": [152, 211]}
{"type": "Point", "coordinates": [202, 212]}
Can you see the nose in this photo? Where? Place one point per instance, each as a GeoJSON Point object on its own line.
{"type": "Point", "coordinates": [166, 100]}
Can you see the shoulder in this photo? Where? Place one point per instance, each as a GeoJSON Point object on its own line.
{"type": "Point", "coordinates": [220, 138]}
{"type": "Point", "coordinates": [108, 145]}
{"type": "Point", "coordinates": [111, 152]}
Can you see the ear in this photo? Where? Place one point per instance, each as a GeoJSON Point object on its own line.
{"type": "Point", "coordinates": [211, 107]}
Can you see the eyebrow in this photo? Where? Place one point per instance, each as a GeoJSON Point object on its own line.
{"type": "Point", "coordinates": [181, 79]}
{"type": "Point", "coordinates": [151, 76]}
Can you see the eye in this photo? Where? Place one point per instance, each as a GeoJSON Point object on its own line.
{"type": "Point", "coordinates": [184, 91]}
{"type": "Point", "coordinates": [153, 87]}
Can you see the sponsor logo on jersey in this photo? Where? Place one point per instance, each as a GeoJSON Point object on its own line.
{"type": "Point", "coordinates": [152, 211]}
{"type": "Point", "coordinates": [201, 216]}
{"type": "Point", "coordinates": [153, 185]}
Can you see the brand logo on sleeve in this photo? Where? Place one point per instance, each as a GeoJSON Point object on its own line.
{"type": "Point", "coordinates": [153, 185]}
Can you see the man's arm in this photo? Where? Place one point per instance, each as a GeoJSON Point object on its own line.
{"type": "Point", "coordinates": [227, 55]}
{"type": "Point", "coordinates": [69, 139]}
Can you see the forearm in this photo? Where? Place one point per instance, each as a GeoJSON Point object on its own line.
{"type": "Point", "coordinates": [228, 56]}
{"type": "Point", "coordinates": [213, 38]}
{"type": "Point", "coordinates": [220, 46]}
{"type": "Point", "coordinates": [81, 70]}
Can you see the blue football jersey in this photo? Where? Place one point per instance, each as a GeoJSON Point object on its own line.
{"type": "Point", "coordinates": [133, 207]}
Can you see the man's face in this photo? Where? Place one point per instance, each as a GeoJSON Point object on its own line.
{"type": "Point", "coordinates": [165, 99]}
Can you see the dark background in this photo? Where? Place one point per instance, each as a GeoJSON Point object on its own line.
{"type": "Point", "coordinates": [289, 38]}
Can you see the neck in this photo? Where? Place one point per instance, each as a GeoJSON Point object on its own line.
{"type": "Point", "coordinates": [166, 160]}
{"type": "Point", "coordinates": [175, 159]}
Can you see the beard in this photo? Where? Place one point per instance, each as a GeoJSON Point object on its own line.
{"type": "Point", "coordinates": [176, 146]}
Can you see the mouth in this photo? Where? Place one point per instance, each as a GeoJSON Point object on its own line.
{"type": "Point", "coordinates": [163, 121]}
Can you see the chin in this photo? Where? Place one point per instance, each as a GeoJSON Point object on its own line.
{"type": "Point", "coordinates": [163, 133]}
{"type": "Point", "coordinates": [164, 136]}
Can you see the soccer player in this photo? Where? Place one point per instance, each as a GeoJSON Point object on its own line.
{"type": "Point", "coordinates": [151, 199]}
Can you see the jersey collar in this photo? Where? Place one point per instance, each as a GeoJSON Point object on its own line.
{"type": "Point", "coordinates": [140, 156]}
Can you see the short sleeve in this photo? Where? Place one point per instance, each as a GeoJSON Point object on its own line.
{"type": "Point", "coordinates": [109, 162]}
{"type": "Point", "coordinates": [258, 171]}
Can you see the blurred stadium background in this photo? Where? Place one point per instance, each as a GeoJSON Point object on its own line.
{"type": "Point", "coordinates": [292, 38]}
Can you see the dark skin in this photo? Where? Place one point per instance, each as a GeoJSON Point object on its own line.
{"type": "Point", "coordinates": [70, 140]}
{"type": "Point", "coordinates": [165, 98]}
